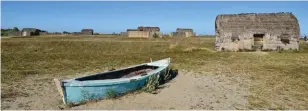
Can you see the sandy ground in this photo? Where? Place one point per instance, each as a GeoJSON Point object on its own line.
{"type": "Point", "coordinates": [186, 91]}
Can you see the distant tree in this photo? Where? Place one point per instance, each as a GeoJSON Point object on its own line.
{"type": "Point", "coordinates": [155, 35]}
{"type": "Point", "coordinates": [305, 38]}
{"type": "Point", "coordinates": [5, 32]}
{"type": "Point", "coordinates": [43, 31]}
{"type": "Point", "coordinates": [64, 32]}
{"type": "Point", "coordinates": [15, 29]}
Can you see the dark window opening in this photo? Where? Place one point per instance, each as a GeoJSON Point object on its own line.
{"type": "Point", "coordinates": [235, 37]}
{"type": "Point", "coordinates": [258, 38]}
{"type": "Point", "coordinates": [125, 73]}
{"type": "Point", "coordinates": [285, 38]}
{"type": "Point", "coordinates": [258, 41]}
{"type": "Point", "coordinates": [258, 35]}
{"type": "Point", "coordinates": [285, 41]}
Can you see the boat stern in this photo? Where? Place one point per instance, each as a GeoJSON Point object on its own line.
{"type": "Point", "coordinates": [163, 62]}
{"type": "Point", "coordinates": [60, 88]}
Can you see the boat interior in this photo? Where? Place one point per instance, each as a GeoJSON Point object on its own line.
{"type": "Point", "coordinates": [122, 73]}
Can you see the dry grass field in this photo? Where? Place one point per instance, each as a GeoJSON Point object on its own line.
{"type": "Point", "coordinates": [266, 80]}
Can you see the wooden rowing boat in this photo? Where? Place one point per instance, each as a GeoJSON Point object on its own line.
{"type": "Point", "coordinates": [97, 86]}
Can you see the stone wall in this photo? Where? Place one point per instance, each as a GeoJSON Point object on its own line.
{"type": "Point", "coordinates": [14, 34]}
{"type": "Point", "coordinates": [144, 34]}
{"type": "Point", "coordinates": [237, 31]}
{"type": "Point", "coordinates": [189, 34]}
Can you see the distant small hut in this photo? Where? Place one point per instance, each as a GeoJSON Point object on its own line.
{"type": "Point", "coordinates": [252, 31]}
{"type": "Point", "coordinates": [185, 32]}
{"type": "Point", "coordinates": [87, 31]}
{"type": "Point", "coordinates": [182, 32]}
{"type": "Point", "coordinates": [30, 32]}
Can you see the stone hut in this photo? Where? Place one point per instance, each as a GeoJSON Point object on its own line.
{"type": "Point", "coordinates": [87, 31]}
{"type": "Point", "coordinates": [257, 31]}
{"type": "Point", "coordinates": [30, 32]}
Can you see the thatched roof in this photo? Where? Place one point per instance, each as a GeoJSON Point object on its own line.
{"type": "Point", "coordinates": [184, 30]}
{"type": "Point", "coordinates": [30, 29]}
{"type": "Point", "coordinates": [147, 28]}
{"type": "Point", "coordinates": [132, 29]}
{"type": "Point", "coordinates": [257, 22]}
{"type": "Point", "coordinates": [87, 30]}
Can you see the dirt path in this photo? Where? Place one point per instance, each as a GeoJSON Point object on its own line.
{"type": "Point", "coordinates": [186, 91]}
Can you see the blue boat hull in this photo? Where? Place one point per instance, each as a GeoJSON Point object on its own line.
{"type": "Point", "coordinates": [75, 92]}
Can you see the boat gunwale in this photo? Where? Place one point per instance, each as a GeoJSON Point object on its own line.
{"type": "Point", "coordinates": [106, 82]}
{"type": "Point", "coordinates": [106, 72]}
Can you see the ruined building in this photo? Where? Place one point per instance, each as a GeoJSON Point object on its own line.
{"type": "Point", "coordinates": [251, 31]}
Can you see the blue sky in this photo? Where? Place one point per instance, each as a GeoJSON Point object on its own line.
{"type": "Point", "coordinates": [108, 17]}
